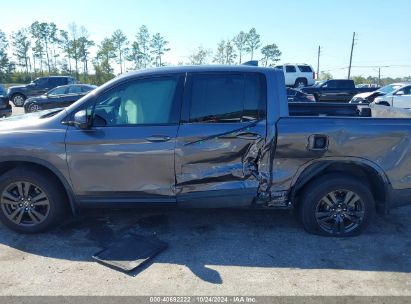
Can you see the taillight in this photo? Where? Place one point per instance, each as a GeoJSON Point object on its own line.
{"type": "Point", "coordinates": [314, 76]}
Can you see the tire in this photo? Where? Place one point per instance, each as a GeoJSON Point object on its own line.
{"type": "Point", "coordinates": [37, 210]}
{"type": "Point", "coordinates": [300, 83]}
{"type": "Point", "coordinates": [322, 214]}
{"type": "Point", "coordinates": [33, 107]}
{"type": "Point", "coordinates": [18, 99]}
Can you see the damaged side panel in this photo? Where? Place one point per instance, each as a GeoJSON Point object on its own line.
{"type": "Point", "coordinates": [383, 145]}
{"type": "Point", "coordinates": [229, 163]}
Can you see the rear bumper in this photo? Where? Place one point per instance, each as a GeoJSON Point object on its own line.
{"type": "Point", "coordinates": [6, 112]}
{"type": "Point", "coordinates": [400, 197]}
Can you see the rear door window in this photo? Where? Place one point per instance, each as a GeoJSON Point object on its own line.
{"type": "Point", "coordinates": [225, 98]}
{"type": "Point", "coordinates": [74, 89]}
{"type": "Point", "coordinates": [41, 83]}
{"type": "Point", "coordinates": [86, 89]}
{"type": "Point", "coordinates": [331, 84]}
{"type": "Point", "coordinates": [58, 91]}
{"type": "Point", "coordinates": [290, 69]}
{"type": "Point", "coordinates": [56, 81]}
{"type": "Point", "coordinates": [344, 84]}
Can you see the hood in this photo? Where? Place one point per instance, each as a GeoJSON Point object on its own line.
{"type": "Point", "coordinates": [364, 95]}
{"type": "Point", "coordinates": [23, 122]}
{"type": "Point", "coordinates": [18, 87]}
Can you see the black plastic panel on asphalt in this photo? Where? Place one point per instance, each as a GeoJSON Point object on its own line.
{"type": "Point", "coordinates": [130, 252]}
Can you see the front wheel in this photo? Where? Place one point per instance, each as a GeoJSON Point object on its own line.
{"type": "Point", "coordinates": [30, 202]}
{"type": "Point", "coordinates": [336, 205]}
{"type": "Point", "coordinates": [18, 100]}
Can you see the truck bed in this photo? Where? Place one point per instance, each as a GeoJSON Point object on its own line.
{"type": "Point", "coordinates": [328, 109]}
{"type": "Point", "coordinates": [346, 110]}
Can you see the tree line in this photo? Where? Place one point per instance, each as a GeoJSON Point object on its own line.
{"type": "Point", "coordinates": [44, 49]}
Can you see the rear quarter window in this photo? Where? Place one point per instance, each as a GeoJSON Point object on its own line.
{"type": "Point", "coordinates": [305, 68]}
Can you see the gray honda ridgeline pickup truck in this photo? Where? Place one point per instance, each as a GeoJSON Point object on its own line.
{"type": "Point", "coordinates": [204, 137]}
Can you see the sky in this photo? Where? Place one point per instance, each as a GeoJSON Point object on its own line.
{"type": "Point", "coordinates": [298, 27]}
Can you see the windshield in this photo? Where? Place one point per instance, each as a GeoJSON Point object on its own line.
{"type": "Point", "coordinates": [390, 88]}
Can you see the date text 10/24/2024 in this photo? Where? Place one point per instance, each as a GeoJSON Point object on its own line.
{"type": "Point", "coordinates": [203, 299]}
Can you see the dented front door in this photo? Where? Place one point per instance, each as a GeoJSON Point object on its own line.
{"type": "Point", "coordinates": [220, 140]}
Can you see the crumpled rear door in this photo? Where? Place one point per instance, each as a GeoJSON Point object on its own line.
{"type": "Point", "coordinates": [221, 140]}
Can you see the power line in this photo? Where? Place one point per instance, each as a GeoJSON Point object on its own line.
{"type": "Point", "coordinates": [369, 67]}
{"type": "Point", "coordinates": [383, 66]}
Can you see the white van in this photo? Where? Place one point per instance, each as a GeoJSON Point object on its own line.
{"type": "Point", "coordinates": [297, 75]}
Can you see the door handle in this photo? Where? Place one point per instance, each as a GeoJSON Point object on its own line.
{"type": "Point", "coordinates": [248, 135]}
{"type": "Point", "coordinates": [158, 138]}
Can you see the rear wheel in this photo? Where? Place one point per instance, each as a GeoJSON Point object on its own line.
{"type": "Point", "coordinates": [18, 100]}
{"type": "Point", "coordinates": [300, 83]}
{"type": "Point", "coordinates": [30, 202]}
{"type": "Point", "coordinates": [336, 205]}
{"type": "Point", "coordinates": [34, 107]}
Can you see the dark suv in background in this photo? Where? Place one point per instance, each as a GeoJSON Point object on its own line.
{"type": "Point", "coordinates": [5, 108]}
{"type": "Point", "coordinates": [18, 94]}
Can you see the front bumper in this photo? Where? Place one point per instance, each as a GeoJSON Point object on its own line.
{"type": "Point", "coordinates": [6, 112]}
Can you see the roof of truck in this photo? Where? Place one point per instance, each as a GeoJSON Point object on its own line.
{"type": "Point", "coordinates": [198, 68]}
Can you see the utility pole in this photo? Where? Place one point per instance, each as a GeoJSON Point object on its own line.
{"type": "Point", "coordinates": [318, 62]}
{"type": "Point", "coordinates": [352, 49]}
{"type": "Point", "coordinates": [379, 77]}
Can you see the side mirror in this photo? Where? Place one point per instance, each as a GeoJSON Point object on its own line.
{"type": "Point", "coordinates": [400, 93]}
{"type": "Point", "coordinates": [80, 120]}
